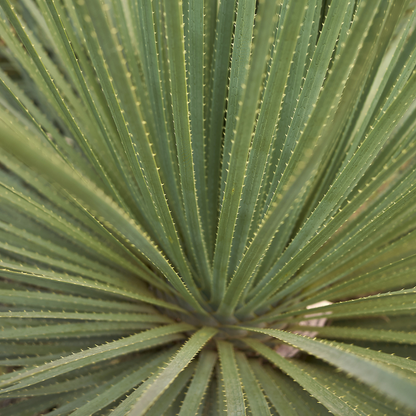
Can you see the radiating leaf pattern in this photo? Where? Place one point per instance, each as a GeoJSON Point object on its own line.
{"type": "Point", "coordinates": [207, 207]}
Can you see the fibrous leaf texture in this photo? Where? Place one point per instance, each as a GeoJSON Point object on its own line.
{"type": "Point", "coordinates": [207, 207]}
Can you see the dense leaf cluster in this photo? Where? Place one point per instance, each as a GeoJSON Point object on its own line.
{"type": "Point", "coordinates": [207, 207]}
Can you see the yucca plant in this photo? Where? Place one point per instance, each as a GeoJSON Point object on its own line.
{"type": "Point", "coordinates": [182, 182]}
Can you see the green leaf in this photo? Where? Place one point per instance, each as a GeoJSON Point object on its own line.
{"type": "Point", "coordinates": [105, 207]}
{"type": "Point", "coordinates": [366, 400]}
{"type": "Point", "coordinates": [233, 389]}
{"type": "Point", "coordinates": [56, 95]}
{"type": "Point", "coordinates": [275, 85]}
{"type": "Point", "coordinates": [167, 375]}
{"type": "Point", "coordinates": [240, 58]}
{"type": "Point", "coordinates": [345, 332]}
{"type": "Point", "coordinates": [122, 383]}
{"type": "Point", "coordinates": [38, 299]}
{"type": "Point", "coordinates": [181, 184]}
{"type": "Point", "coordinates": [185, 148]}
{"type": "Point", "coordinates": [174, 393]}
{"type": "Point", "coordinates": [113, 349]}
{"type": "Point", "coordinates": [285, 58]}
{"type": "Point", "coordinates": [255, 396]}
{"type": "Point", "coordinates": [378, 375]}
{"type": "Point", "coordinates": [197, 389]}
{"type": "Point", "coordinates": [273, 390]}
{"type": "Point", "coordinates": [239, 152]}
{"type": "Point", "coordinates": [144, 25]}
{"type": "Point", "coordinates": [80, 282]}
{"type": "Point", "coordinates": [222, 51]}
{"type": "Point", "coordinates": [335, 404]}
{"type": "Point", "coordinates": [401, 301]}
{"type": "Point", "coordinates": [112, 317]}
{"type": "Point", "coordinates": [81, 381]}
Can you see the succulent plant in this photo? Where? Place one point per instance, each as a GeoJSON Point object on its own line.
{"type": "Point", "coordinates": [207, 207]}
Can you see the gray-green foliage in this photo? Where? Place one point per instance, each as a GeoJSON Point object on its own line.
{"type": "Point", "coordinates": [181, 181]}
